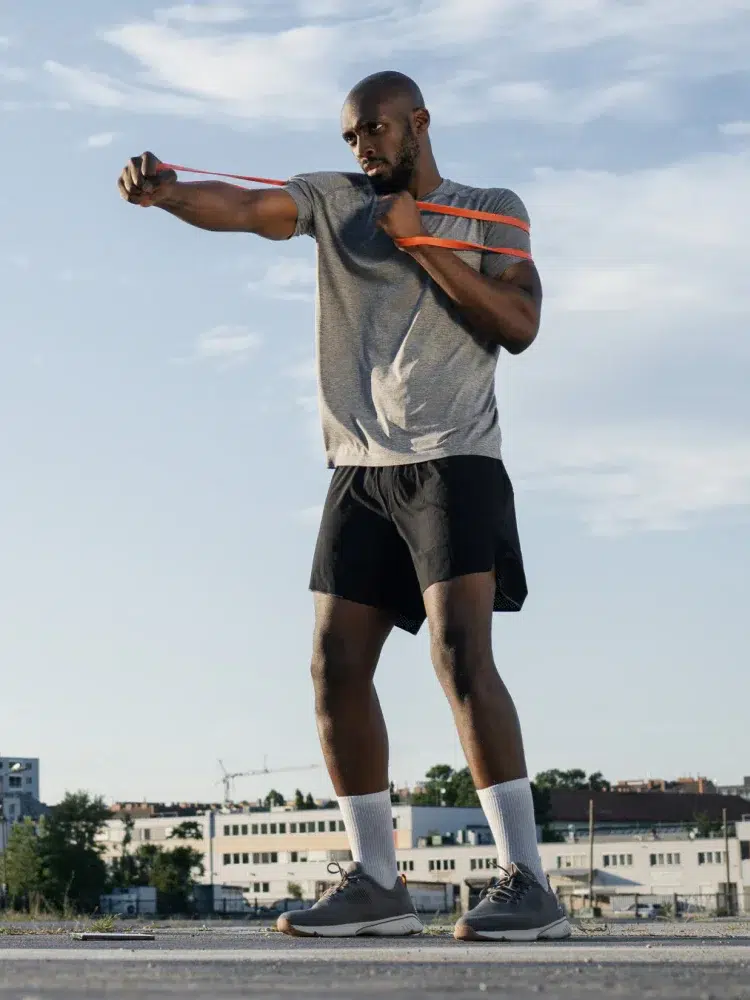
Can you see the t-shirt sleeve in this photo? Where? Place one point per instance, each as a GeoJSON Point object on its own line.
{"type": "Point", "coordinates": [504, 235]}
{"type": "Point", "coordinates": [313, 195]}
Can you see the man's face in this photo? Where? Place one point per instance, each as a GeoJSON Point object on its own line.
{"type": "Point", "coordinates": [384, 142]}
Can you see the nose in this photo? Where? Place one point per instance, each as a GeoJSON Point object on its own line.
{"type": "Point", "coordinates": [364, 148]}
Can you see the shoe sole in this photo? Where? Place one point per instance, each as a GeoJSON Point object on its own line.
{"type": "Point", "coordinates": [405, 926]}
{"type": "Point", "coordinates": [551, 932]}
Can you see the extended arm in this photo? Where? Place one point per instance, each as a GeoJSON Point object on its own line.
{"type": "Point", "coordinates": [213, 205]}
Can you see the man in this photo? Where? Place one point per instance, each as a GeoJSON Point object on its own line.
{"type": "Point", "coordinates": [419, 521]}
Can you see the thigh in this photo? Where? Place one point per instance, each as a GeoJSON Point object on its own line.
{"type": "Point", "coordinates": [360, 556]}
{"type": "Point", "coordinates": [448, 512]}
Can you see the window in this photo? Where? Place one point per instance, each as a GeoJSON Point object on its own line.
{"type": "Point", "coordinates": [332, 826]}
{"type": "Point", "coordinates": [630, 859]}
{"type": "Point", "coordinates": [453, 864]}
{"type": "Point", "coordinates": [303, 827]}
{"type": "Point", "coordinates": [321, 828]}
{"type": "Point", "coordinates": [341, 826]}
{"type": "Point", "coordinates": [395, 822]}
{"type": "Point", "coordinates": [29, 781]}
{"type": "Point", "coordinates": [411, 866]}
{"type": "Point", "coordinates": [431, 866]}
{"type": "Point", "coordinates": [227, 858]}
{"type": "Point", "coordinates": [701, 858]}
{"type": "Point", "coordinates": [147, 834]}
{"type": "Point", "coordinates": [264, 827]}
{"type": "Point", "coordinates": [282, 827]}
{"type": "Point", "coordinates": [294, 857]}
{"type": "Point", "coordinates": [235, 831]}
{"type": "Point", "coordinates": [256, 886]}
{"type": "Point", "coordinates": [226, 831]}
{"type": "Point", "coordinates": [745, 850]}
{"type": "Point", "coordinates": [292, 827]}
{"type": "Point", "coordinates": [473, 864]}
{"type": "Point", "coordinates": [254, 829]}
{"type": "Point", "coordinates": [245, 859]}
{"type": "Point", "coordinates": [236, 859]}
{"type": "Point", "coordinates": [15, 782]}
{"type": "Point", "coordinates": [273, 828]}
{"type": "Point", "coordinates": [256, 859]}
{"type": "Point", "coordinates": [274, 858]}
{"type": "Point", "coordinates": [244, 830]}
{"type": "Point", "coordinates": [264, 859]}
{"type": "Point", "coordinates": [266, 887]}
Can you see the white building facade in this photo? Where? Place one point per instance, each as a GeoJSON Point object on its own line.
{"type": "Point", "coordinates": [262, 853]}
{"type": "Point", "coordinates": [19, 792]}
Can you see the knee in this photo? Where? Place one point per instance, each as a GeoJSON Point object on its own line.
{"type": "Point", "coordinates": [462, 662]}
{"type": "Point", "coordinates": [337, 672]}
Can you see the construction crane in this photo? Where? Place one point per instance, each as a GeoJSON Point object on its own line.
{"type": "Point", "coordinates": [228, 777]}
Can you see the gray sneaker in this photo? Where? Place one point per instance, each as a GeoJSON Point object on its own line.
{"type": "Point", "coordinates": [357, 906]}
{"type": "Point", "coordinates": [515, 907]}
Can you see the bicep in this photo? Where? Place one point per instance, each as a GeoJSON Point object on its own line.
{"type": "Point", "coordinates": [272, 213]}
{"type": "Point", "coordinates": [523, 275]}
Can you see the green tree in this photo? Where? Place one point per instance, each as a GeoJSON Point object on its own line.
{"type": "Point", "coordinates": [274, 798]}
{"type": "Point", "coordinates": [444, 786]}
{"type": "Point", "coordinates": [310, 801]}
{"type": "Point", "coordinates": [173, 875]}
{"type": "Point", "coordinates": [189, 829]}
{"type": "Point", "coordinates": [299, 800]}
{"type": "Point", "coordinates": [73, 872]}
{"type": "Point", "coordinates": [22, 869]}
{"type": "Point", "coordinates": [294, 890]}
{"type": "Point", "coordinates": [574, 780]}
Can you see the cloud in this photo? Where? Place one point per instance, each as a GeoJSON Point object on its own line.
{"type": "Point", "coordinates": [735, 128]}
{"type": "Point", "coordinates": [193, 13]}
{"type": "Point", "coordinates": [638, 476]}
{"type": "Point", "coordinates": [101, 139]}
{"type": "Point", "coordinates": [182, 57]}
{"type": "Point", "coordinates": [227, 345]}
{"type": "Point", "coordinates": [13, 74]}
{"type": "Point", "coordinates": [289, 278]}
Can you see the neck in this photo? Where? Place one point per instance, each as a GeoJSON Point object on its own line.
{"type": "Point", "coordinates": [426, 178]}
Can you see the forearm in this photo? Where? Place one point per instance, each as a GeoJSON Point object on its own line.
{"type": "Point", "coordinates": [211, 205]}
{"type": "Point", "coordinates": [500, 313]}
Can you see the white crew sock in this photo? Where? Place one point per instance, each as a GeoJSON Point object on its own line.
{"type": "Point", "coordinates": [369, 824]}
{"type": "Point", "coordinates": [509, 808]}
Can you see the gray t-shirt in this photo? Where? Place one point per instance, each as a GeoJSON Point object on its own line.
{"type": "Point", "coordinates": [400, 377]}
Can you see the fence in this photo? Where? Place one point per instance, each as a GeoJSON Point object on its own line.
{"type": "Point", "coordinates": [649, 906]}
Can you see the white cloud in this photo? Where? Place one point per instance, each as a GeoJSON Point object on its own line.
{"type": "Point", "coordinates": [13, 74]}
{"type": "Point", "coordinates": [194, 13]}
{"type": "Point", "coordinates": [4, 42]}
{"type": "Point", "coordinates": [236, 73]}
{"type": "Point", "coordinates": [227, 343]}
{"type": "Point", "coordinates": [290, 278]}
{"type": "Point", "coordinates": [638, 476]}
{"type": "Point", "coordinates": [101, 139]}
{"type": "Point", "coordinates": [735, 128]}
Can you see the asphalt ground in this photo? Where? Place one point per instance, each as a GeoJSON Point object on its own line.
{"type": "Point", "coordinates": [691, 961]}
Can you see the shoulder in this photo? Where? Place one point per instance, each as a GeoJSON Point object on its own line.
{"type": "Point", "coordinates": [329, 183]}
{"type": "Point", "coordinates": [499, 200]}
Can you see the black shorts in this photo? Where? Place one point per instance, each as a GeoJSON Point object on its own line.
{"type": "Point", "coordinates": [388, 533]}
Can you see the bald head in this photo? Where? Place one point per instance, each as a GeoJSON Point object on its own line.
{"type": "Point", "coordinates": [385, 123]}
{"type": "Point", "coordinates": [389, 86]}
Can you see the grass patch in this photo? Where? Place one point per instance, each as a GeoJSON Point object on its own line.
{"type": "Point", "coordinates": [103, 925]}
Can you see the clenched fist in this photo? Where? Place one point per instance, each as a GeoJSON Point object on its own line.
{"type": "Point", "coordinates": [143, 183]}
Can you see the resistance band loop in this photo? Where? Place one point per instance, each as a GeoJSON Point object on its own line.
{"type": "Point", "coordinates": [424, 206]}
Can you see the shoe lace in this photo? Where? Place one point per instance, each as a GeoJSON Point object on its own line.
{"type": "Point", "coordinates": [509, 887]}
{"type": "Point", "coordinates": [345, 879]}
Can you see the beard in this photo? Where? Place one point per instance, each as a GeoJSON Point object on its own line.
{"type": "Point", "coordinates": [399, 176]}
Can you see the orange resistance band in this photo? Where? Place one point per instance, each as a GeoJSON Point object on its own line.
{"type": "Point", "coordinates": [424, 206]}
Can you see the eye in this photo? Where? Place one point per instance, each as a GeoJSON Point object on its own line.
{"type": "Point", "coordinates": [374, 127]}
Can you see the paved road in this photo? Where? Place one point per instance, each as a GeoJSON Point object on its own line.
{"type": "Point", "coordinates": [240, 964]}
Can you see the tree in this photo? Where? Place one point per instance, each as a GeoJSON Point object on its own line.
{"type": "Point", "coordinates": [173, 876]}
{"type": "Point", "coordinates": [73, 872]}
{"type": "Point", "coordinates": [574, 780]}
{"type": "Point", "coordinates": [310, 802]}
{"type": "Point", "coordinates": [294, 890]}
{"type": "Point", "coordinates": [22, 869]}
{"type": "Point", "coordinates": [189, 829]}
{"type": "Point", "coordinates": [446, 787]}
{"type": "Point", "coordinates": [299, 800]}
{"type": "Point", "coordinates": [274, 798]}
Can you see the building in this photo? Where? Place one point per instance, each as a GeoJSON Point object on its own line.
{"type": "Point", "coordinates": [19, 792]}
{"type": "Point", "coordinates": [687, 786]}
{"type": "Point", "coordinates": [262, 853]}
{"type": "Point", "coordinates": [743, 790]}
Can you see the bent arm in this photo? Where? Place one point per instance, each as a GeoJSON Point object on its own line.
{"type": "Point", "coordinates": [220, 207]}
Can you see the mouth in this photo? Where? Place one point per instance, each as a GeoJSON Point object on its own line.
{"type": "Point", "coordinates": [371, 169]}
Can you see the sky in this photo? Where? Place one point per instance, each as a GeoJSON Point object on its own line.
{"type": "Point", "coordinates": [162, 467]}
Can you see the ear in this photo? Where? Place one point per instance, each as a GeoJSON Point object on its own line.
{"type": "Point", "coordinates": [421, 120]}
